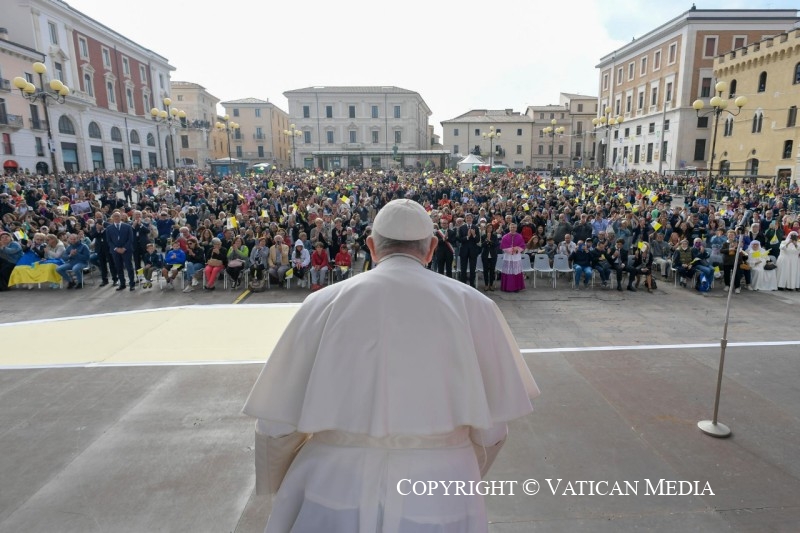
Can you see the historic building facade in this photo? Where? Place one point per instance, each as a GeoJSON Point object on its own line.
{"type": "Point", "coordinates": [652, 81]}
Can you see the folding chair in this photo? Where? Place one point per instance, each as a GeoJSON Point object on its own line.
{"type": "Point", "coordinates": [561, 266]}
{"type": "Point", "coordinates": [527, 268]}
{"type": "Point", "coordinates": [541, 264]}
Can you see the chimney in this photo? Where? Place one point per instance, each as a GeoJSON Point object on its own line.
{"type": "Point", "coordinates": [3, 34]}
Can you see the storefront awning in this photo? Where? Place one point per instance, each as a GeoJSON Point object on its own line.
{"type": "Point", "coordinates": [10, 164]}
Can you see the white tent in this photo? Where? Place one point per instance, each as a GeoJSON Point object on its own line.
{"type": "Point", "coordinates": [465, 165]}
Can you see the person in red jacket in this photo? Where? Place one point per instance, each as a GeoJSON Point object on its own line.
{"type": "Point", "coordinates": [343, 263]}
{"type": "Point", "coordinates": [319, 267]}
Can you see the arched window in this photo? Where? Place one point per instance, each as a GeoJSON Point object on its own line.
{"type": "Point", "coordinates": [752, 167]}
{"type": "Point", "coordinates": [732, 94]}
{"type": "Point", "coordinates": [134, 137]}
{"type": "Point", "coordinates": [66, 126]}
{"type": "Point", "coordinates": [94, 131]}
{"type": "Point", "coordinates": [87, 85]}
{"type": "Point", "coordinates": [116, 135]}
{"type": "Point", "coordinates": [151, 141]}
{"type": "Point", "coordinates": [758, 120]}
{"type": "Point", "coordinates": [762, 82]}
{"type": "Point", "coordinates": [728, 127]}
{"type": "Point", "coordinates": [797, 73]}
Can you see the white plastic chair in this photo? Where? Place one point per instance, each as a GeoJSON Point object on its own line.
{"type": "Point", "coordinates": [541, 264]}
{"type": "Point", "coordinates": [561, 266]}
{"type": "Point", "coordinates": [526, 266]}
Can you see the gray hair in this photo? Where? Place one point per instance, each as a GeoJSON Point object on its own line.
{"type": "Point", "coordinates": [216, 240]}
{"type": "Point", "coordinates": [385, 246]}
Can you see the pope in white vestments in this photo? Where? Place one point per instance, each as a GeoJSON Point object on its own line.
{"type": "Point", "coordinates": [398, 375]}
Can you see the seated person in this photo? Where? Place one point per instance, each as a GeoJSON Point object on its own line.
{"type": "Point", "coordinates": [581, 264]}
{"type": "Point", "coordinates": [10, 253]}
{"type": "Point", "coordinates": [601, 261]}
{"type": "Point", "coordinates": [301, 260]}
{"type": "Point", "coordinates": [54, 248]}
{"type": "Point", "coordinates": [319, 267]}
{"type": "Point", "coordinates": [762, 279]}
{"type": "Point", "coordinates": [151, 260]}
{"type": "Point", "coordinates": [343, 264]}
{"type": "Point", "coordinates": [279, 259]}
{"type": "Point", "coordinates": [238, 256]}
{"type": "Point", "coordinates": [643, 265]}
{"type": "Point", "coordinates": [682, 261]}
{"type": "Point", "coordinates": [662, 253]}
{"type": "Point", "coordinates": [174, 261]}
{"type": "Point", "coordinates": [619, 263]}
{"type": "Point", "coordinates": [76, 258]}
{"type": "Point", "coordinates": [259, 259]}
{"type": "Point", "coordinates": [195, 263]}
{"type": "Point", "coordinates": [701, 257]}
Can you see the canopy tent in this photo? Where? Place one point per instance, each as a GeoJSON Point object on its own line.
{"type": "Point", "coordinates": [466, 164]}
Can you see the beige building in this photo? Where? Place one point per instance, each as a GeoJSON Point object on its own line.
{"type": "Point", "coordinates": [260, 137]}
{"type": "Point", "coordinates": [510, 146]}
{"type": "Point", "coordinates": [22, 128]}
{"type": "Point", "coordinates": [763, 139]}
{"type": "Point", "coordinates": [361, 127]}
{"type": "Point", "coordinates": [652, 81]}
{"type": "Point", "coordinates": [194, 142]}
{"type": "Point", "coordinates": [573, 147]}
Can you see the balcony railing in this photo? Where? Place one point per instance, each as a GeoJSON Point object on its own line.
{"type": "Point", "coordinates": [38, 124]}
{"type": "Point", "coordinates": [13, 121]}
{"type": "Point", "coordinates": [259, 136]}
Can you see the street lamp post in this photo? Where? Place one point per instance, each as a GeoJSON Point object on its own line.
{"type": "Point", "coordinates": [293, 133]}
{"type": "Point", "coordinates": [718, 105]}
{"type": "Point", "coordinates": [491, 136]}
{"type": "Point", "coordinates": [227, 126]}
{"type": "Point", "coordinates": [171, 117]}
{"type": "Point", "coordinates": [58, 92]}
{"type": "Point", "coordinates": [607, 122]}
{"type": "Point", "coordinates": [552, 131]}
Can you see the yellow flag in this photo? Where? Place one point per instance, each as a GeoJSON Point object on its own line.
{"type": "Point", "coordinates": [628, 205]}
{"type": "Point", "coordinates": [561, 183]}
{"type": "Point", "coordinates": [756, 254]}
{"type": "Point", "coordinates": [318, 189]}
{"type": "Point", "coordinates": [570, 188]}
{"type": "Point", "coordinates": [543, 186]}
{"type": "Point", "coordinates": [232, 223]}
{"type": "Point", "coordinates": [263, 213]}
{"type": "Point", "coordinates": [774, 239]}
{"type": "Point", "coordinates": [20, 234]}
{"type": "Point", "coordinates": [656, 225]}
{"type": "Point", "coordinates": [289, 273]}
{"type": "Point", "coordinates": [722, 211]}
{"type": "Point", "coordinates": [640, 245]}
{"type": "Point", "coordinates": [429, 181]}
{"type": "Point", "coordinates": [654, 198]}
{"type": "Point", "coordinates": [345, 199]}
{"type": "Point", "coordinates": [526, 207]}
{"type": "Point", "coordinates": [64, 207]}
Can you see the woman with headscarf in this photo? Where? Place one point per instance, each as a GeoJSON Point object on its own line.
{"type": "Point", "coordinates": [511, 277]}
{"type": "Point", "coordinates": [761, 279]}
{"type": "Point", "coordinates": [789, 263]}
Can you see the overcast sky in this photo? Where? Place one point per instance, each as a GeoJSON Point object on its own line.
{"type": "Point", "coordinates": [459, 55]}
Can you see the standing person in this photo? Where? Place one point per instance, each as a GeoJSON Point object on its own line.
{"type": "Point", "coordinates": [445, 251]}
{"type": "Point", "coordinates": [411, 420]}
{"type": "Point", "coordinates": [141, 238]}
{"type": "Point", "coordinates": [789, 263]}
{"type": "Point", "coordinates": [469, 238]}
{"type": "Point", "coordinates": [511, 277]}
{"type": "Point", "coordinates": [104, 255]}
{"type": "Point", "coordinates": [120, 243]}
{"type": "Point", "coordinates": [490, 248]}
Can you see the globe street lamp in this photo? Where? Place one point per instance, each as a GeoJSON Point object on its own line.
{"type": "Point", "coordinates": [293, 133]}
{"type": "Point", "coordinates": [552, 131]}
{"type": "Point", "coordinates": [58, 92]}
{"type": "Point", "coordinates": [607, 122]}
{"type": "Point", "coordinates": [172, 118]}
{"type": "Point", "coordinates": [227, 126]}
{"type": "Point", "coordinates": [491, 136]}
{"type": "Point", "coordinates": [718, 105]}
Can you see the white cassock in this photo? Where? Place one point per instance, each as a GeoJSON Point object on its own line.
{"type": "Point", "coordinates": [395, 372]}
{"type": "Point", "coordinates": [789, 265]}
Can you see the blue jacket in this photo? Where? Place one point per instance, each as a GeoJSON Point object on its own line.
{"type": "Point", "coordinates": [175, 257]}
{"type": "Point", "coordinates": [11, 253]}
{"type": "Point", "coordinates": [81, 254]}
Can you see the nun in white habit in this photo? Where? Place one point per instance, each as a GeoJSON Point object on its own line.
{"type": "Point", "coordinates": [426, 395]}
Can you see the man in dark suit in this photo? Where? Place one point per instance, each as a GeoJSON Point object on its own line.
{"type": "Point", "coordinates": [120, 243]}
{"type": "Point", "coordinates": [103, 256]}
{"type": "Point", "coordinates": [469, 237]}
{"type": "Point", "coordinates": [619, 262]}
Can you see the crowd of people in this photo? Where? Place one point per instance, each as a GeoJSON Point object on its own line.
{"type": "Point", "coordinates": [311, 225]}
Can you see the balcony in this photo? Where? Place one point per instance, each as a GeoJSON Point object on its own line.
{"type": "Point", "coordinates": [259, 136]}
{"type": "Point", "coordinates": [5, 85]}
{"type": "Point", "coordinates": [10, 121]}
{"type": "Point", "coordinates": [38, 124]}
